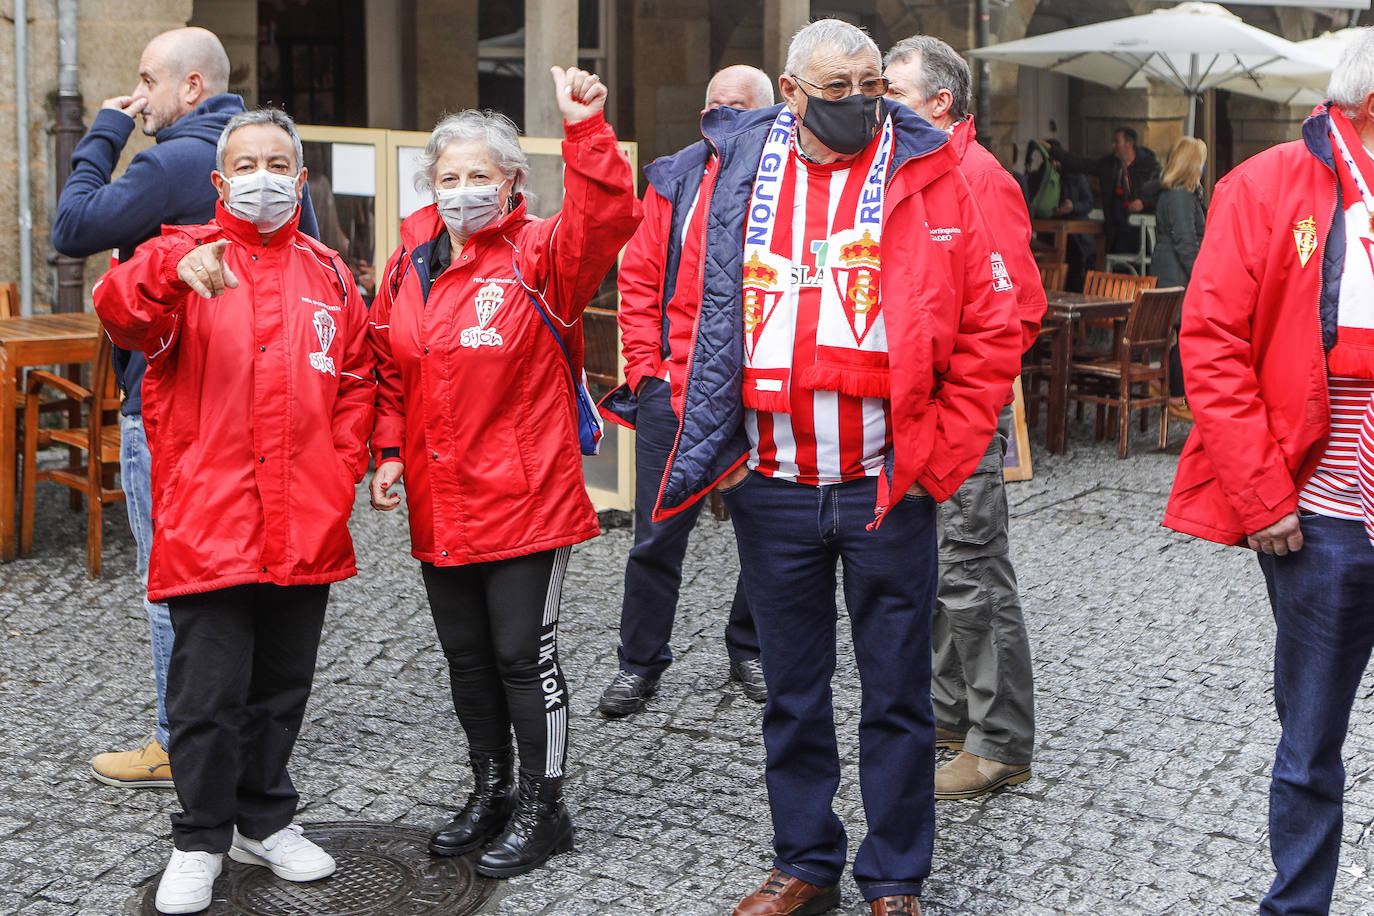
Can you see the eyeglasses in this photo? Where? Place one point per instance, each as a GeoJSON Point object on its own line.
{"type": "Point", "coordinates": [835, 90]}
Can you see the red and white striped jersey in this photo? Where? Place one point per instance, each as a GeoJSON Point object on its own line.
{"type": "Point", "coordinates": [1334, 487]}
{"type": "Point", "coordinates": [827, 437]}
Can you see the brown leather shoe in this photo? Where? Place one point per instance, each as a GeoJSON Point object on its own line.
{"type": "Point", "coordinates": [902, 905]}
{"type": "Point", "coordinates": [969, 776]}
{"type": "Point", "coordinates": [783, 895]}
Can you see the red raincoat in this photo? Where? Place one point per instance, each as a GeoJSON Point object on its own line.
{"type": "Point", "coordinates": [472, 386]}
{"type": "Point", "coordinates": [257, 406]}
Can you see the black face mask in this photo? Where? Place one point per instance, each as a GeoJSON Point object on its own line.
{"type": "Point", "coordinates": [844, 127]}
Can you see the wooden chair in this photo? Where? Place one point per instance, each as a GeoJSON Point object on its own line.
{"type": "Point", "coordinates": [1116, 286]}
{"type": "Point", "coordinates": [1052, 276]}
{"type": "Point", "coordinates": [9, 300]}
{"type": "Point", "coordinates": [1122, 382]}
{"type": "Point", "coordinates": [94, 449]}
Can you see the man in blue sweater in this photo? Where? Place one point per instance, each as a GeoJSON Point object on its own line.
{"type": "Point", "coordinates": [182, 98]}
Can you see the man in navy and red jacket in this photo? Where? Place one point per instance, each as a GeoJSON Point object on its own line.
{"type": "Point", "coordinates": [981, 687]}
{"type": "Point", "coordinates": [927, 390]}
{"type": "Point", "coordinates": [1280, 375]}
{"type": "Point", "coordinates": [659, 280]}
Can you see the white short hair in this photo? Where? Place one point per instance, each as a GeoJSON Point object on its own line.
{"type": "Point", "coordinates": [1353, 79]}
{"type": "Point", "coordinates": [493, 129]}
{"type": "Point", "coordinates": [843, 38]}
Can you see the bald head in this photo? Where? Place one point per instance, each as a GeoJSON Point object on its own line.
{"type": "Point", "coordinates": [179, 70]}
{"type": "Point", "coordinates": [740, 86]}
{"type": "Point", "coordinates": [194, 50]}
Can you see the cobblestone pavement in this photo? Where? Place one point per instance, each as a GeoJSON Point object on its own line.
{"type": "Point", "coordinates": [1152, 657]}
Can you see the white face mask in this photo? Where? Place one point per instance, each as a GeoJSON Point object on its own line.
{"type": "Point", "coordinates": [263, 198]}
{"type": "Point", "coordinates": [468, 210]}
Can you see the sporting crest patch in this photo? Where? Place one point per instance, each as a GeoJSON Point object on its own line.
{"type": "Point", "coordinates": [325, 330]}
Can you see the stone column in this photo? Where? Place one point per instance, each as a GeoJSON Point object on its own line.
{"type": "Point", "coordinates": [781, 20]}
{"type": "Point", "coordinates": [550, 39]}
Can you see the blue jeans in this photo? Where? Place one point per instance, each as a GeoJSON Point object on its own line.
{"type": "Point", "coordinates": [135, 477]}
{"type": "Point", "coordinates": [1323, 600]}
{"type": "Point", "coordinates": [790, 536]}
{"type": "Point", "coordinates": [653, 572]}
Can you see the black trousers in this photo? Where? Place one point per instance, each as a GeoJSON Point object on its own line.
{"type": "Point", "coordinates": [240, 674]}
{"type": "Point", "coordinates": [498, 625]}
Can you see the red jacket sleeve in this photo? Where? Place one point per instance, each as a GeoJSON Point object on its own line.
{"type": "Point", "coordinates": [986, 357]}
{"type": "Point", "coordinates": [140, 301]}
{"type": "Point", "coordinates": [1218, 362]}
{"type": "Point", "coordinates": [575, 248]}
{"type": "Point", "coordinates": [641, 291]}
{"type": "Point", "coordinates": [999, 197]}
{"type": "Point", "coordinates": [356, 401]}
{"type": "Point", "coordinates": [389, 424]}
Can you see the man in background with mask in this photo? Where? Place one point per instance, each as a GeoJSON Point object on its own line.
{"type": "Point", "coordinates": [851, 354]}
{"type": "Point", "coordinates": [258, 368]}
{"type": "Point", "coordinates": [982, 685]}
{"type": "Point", "coordinates": [660, 287]}
{"type": "Point", "coordinates": [182, 96]}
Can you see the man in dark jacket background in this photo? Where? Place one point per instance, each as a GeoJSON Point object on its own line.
{"type": "Point", "coordinates": [1121, 175]}
{"type": "Point", "coordinates": [182, 97]}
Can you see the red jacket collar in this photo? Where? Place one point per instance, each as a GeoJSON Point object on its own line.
{"type": "Point", "coordinates": [244, 232]}
{"type": "Point", "coordinates": [961, 135]}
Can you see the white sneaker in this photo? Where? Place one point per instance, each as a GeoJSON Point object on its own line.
{"type": "Point", "coordinates": [188, 881]}
{"type": "Point", "coordinates": [289, 854]}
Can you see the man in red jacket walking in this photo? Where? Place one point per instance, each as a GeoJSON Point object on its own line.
{"type": "Point", "coordinates": [1278, 360]}
{"type": "Point", "coordinates": [659, 285]}
{"type": "Point", "coordinates": [981, 684]}
{"type": "Point", "coordinates": [257, 368]}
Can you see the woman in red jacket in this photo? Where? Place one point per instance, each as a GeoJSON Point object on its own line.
{"type": "Point", "coordinates": [475, 406]}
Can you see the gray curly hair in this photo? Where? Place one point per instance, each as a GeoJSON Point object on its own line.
{"type": "Point", "coordinates": [496, 131]}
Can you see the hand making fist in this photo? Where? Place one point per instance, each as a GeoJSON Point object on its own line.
{"type": "Point", "coordinates": [580, 94]}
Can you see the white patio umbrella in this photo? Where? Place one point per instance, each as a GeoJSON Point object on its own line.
{"type": "Point", "coordinates": [1193, 46]}
{"type": "Point", "coordinates": [1293, 83]}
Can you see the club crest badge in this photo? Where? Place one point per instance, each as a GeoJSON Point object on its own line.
{"type": "Point", "coordinates": [1001, 280]}
{"type": "Point", "coordinates": [856, 279]}
{"type": "Point", "coordinates": [1305, 237]}
{"type": "Point", "coordinates": [489, 298]}
{"type": "Point", "coordinates": [760, 300]}
{"type": "Point", "coordinates": [325, 330]}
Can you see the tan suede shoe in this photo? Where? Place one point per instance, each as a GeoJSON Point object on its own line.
{"type": "Point", "coordinates": [949, 739]}
{"type": "Point", "coordinates": [902, 905]}
{"type": "Point", "coordinates": [146, 767]}
{"type": "Point", "coordinates": [783, 895]}
{"type": "Point", "coordinates": [969, 776]}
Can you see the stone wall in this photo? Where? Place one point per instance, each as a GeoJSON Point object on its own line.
{"type": "Point", "coordinates": [110, 38]}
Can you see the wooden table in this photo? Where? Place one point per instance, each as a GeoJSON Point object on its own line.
{"type": "Point", "coordinates": [38, 341]}
{"type": "Point", "coordinates": [1064, 310]}
{"type": "Point", "coordinates": [1061, 229]}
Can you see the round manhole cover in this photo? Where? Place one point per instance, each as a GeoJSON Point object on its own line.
{"type": "Point", "coordinates": [384, 870]}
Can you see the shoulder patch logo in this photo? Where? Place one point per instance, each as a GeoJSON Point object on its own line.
{"type": "Point", "coordinates": [1001, 280]}
{"type": "Point", "coordinates": [1305, 237]}
{"type": "Point", "coordinates": [325, 330]}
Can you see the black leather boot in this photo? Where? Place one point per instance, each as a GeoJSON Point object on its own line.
{"type": "Point", "coordinates": [489, 806]}
{"type": "Point", "coordinates": [539, 828]}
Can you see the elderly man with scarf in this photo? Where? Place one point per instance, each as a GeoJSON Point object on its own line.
{"type": "Point", "coordinates": [1278, 357]}
{"type": "Point", "coordinates": [853, 348]}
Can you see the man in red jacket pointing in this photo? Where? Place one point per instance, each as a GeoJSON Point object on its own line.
{"type": "Point", "coordinates": [257, 369]}
{"type": "Point", "coordinates": [981, 685]}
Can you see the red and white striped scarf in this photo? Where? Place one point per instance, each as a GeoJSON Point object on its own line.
{"type": "Point", "coordinates": [851, 343]}
{"type": "Point", "coordinates": [1353, 354]}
